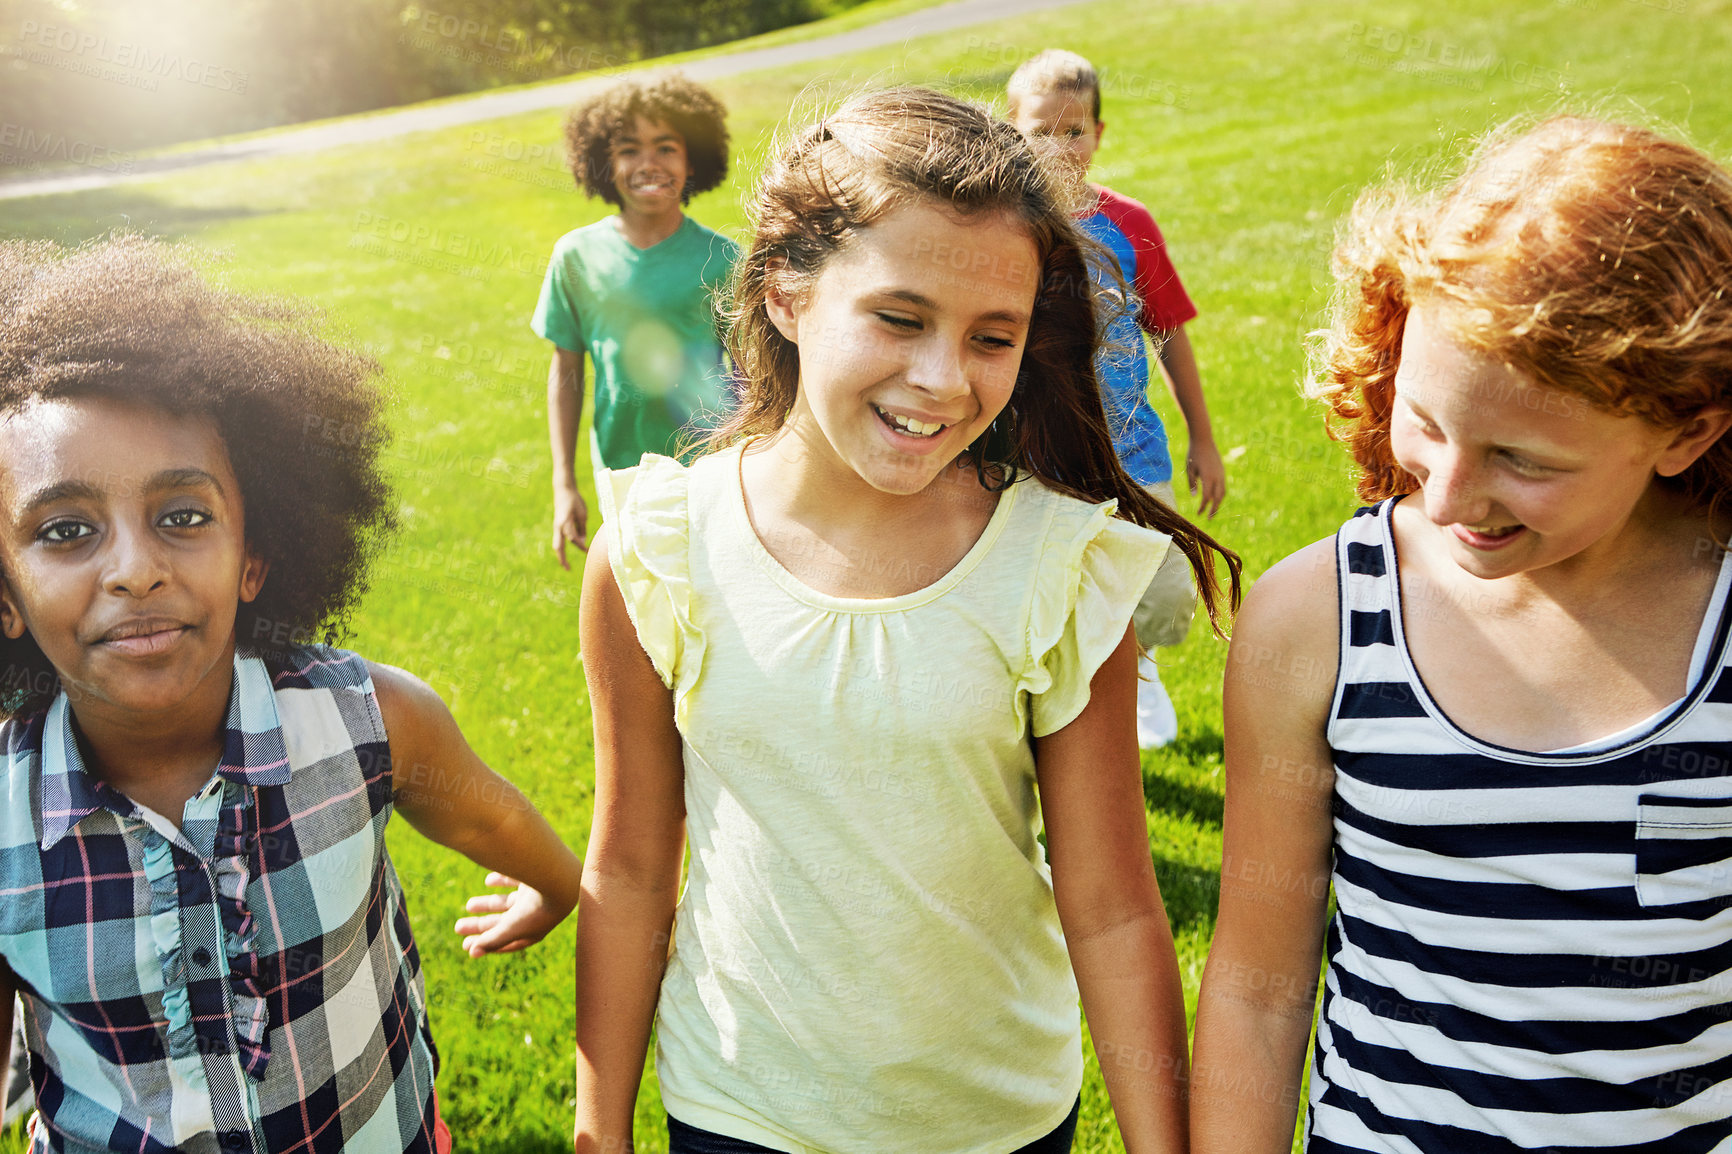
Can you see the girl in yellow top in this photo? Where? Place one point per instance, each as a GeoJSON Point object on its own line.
{"type": "Point", "coordinates": [838, 658]}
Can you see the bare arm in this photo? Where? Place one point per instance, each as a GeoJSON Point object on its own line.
{"type": "Point", "coordinates": [1260, 985]}
{"type": "Point", "coordinates": [631, 873]}
{"type": "Point", "coordinates": [1204, 470]}
{"type": "Point", "coordinates": [564, 414]}
{"type": "Point", "coordinates": [1091, 798]}
{"type": "Point", "coordinates": [447, 793]}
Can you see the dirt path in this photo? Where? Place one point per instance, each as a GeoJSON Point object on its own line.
{"type": "Point", "coordinates": [492, 105]}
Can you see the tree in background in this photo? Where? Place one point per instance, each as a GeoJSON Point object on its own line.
{"type": "Point", "coordinates": [87, 82]}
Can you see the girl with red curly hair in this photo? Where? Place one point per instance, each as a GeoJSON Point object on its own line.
{"type": "Point", "coordinates": [1491, 714]}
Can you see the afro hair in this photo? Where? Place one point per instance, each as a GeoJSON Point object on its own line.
{"type": "Point", "coordinates": [686, 107]}
{"type": "Point", "coordinates": [303, 420]}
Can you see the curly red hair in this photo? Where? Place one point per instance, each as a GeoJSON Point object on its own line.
{"type": "Point", "coordinates": [1593, 257]}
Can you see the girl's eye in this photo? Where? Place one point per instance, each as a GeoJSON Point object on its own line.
{"type": "Point", "coordinates": [996, 343]}
{"type": "Point", "coordinates": [60, 532]}
{"type": "Point", "coordinates": [1423, 424]}
{"type": "Point", "coordinates": [1522, 465]}
{"type": "Point", "coordinates": [185, 519]}
{"type": "Point", "coordinates": [899, 322]}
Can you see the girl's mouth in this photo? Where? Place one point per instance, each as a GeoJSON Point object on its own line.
{"type": "Point", "coordinates": [1487, 537]}
{"type": "Point", "coordinates": [146, 644]}
{"type": "Point", "coordinates": [909, 426]}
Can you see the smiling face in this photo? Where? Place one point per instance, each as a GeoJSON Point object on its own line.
{"type": "Point", "coordinates": [909, 342]}
{"type": "Point", "coordinates": [1518, 475]}
{"type": "Point", "coordinates": [1062, 122]}
{"type": "Point", "coordinates": [124, 550]}
{"type": "Point", "coordinates": [649, 167]}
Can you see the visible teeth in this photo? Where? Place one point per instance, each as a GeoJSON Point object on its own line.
{"type": "Point", "coordinates": [910, 425]}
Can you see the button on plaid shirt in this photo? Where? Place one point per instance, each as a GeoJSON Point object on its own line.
{"type": "Point", "coordinates": [244, 981]}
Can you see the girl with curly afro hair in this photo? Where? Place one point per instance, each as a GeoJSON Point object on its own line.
{"type": "Point", "coordinates": [1489, 715]}
{"type": "Point", "coordinates": [636, 291]}
{"type": "Point", "coordinates": [190, 493]}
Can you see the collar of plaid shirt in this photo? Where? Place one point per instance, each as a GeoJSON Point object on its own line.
{"type": "Point", "coordinates": [253, 754]}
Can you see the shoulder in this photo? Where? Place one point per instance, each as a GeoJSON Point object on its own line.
{"type": "Point", "coordinates": [655, 485]}
{"type": "Point", "coordinates": [316, 667]}
{"type": "Point", "coordinates": [1060, 507]}
{"type": "Point", "coordinates": [20, 759]}
{"type": "Point", "coordinates": [573, 244]}
{"type": "Point", "coordinates": [1086, 535]}
{"type": "Point", "coordinates": [1298, 586]}
{"type": "Point", "coordinates": [712, 252]}
{"type": "Point", "coordinates": [22, 734]}
{"type": "Point", "coordinates": [710, 237]}
{"type": "Point", "coordinates": [415, 716]}
{"type": "Point", "coordinates": [1290, 620]}
{"type": "Point", "coordinates": [1126, 212]}
{"type": "Point", "coordinates": [323, 698]}
{"type": "Point", "coordinates": [1037, 500]}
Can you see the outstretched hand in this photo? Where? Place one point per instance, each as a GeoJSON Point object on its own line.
{"type": "Point", "coordinates": [507, 922]}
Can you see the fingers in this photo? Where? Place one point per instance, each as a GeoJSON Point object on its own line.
{"type": "Point", "coordinates": [498, 934]}
{"type": "Point", "coordinates": [571, 530]}
{"type": "Point", "coordinates": [559, 546]}
{"type": "Point", "coordinates": [501, 919]}
{"type": "Point", "coordinates": [1210, 502]}
{"type": "Point", "coordinates": [491, 934]}
{"type": "Point", "coordinates": [480, 947]}
{"type": "Point", "coordinates": [1208, 482]}
{"type": "Point", "coordinates": [580, 525]}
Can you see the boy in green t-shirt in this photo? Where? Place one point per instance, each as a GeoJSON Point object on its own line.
{"type": "Point", "coordinates": [636, 291]}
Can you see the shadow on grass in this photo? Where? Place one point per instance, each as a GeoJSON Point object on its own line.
{"type": "Point", "coordinates": [1165, 792]}
{"type": "Point", "coordinates": [1191, 893]}
{"type": "Point", "coordinates": [74, 217]}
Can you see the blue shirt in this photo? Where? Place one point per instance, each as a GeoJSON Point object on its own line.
{"type": "Point", "coordinates": [1158, 304]}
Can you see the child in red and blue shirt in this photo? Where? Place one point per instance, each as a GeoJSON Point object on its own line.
{"type": "Point", "coordinates": [1055, 97]}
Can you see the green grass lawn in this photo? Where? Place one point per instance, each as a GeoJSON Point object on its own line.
{"type": "Point", "coordinates": [1247, 127]}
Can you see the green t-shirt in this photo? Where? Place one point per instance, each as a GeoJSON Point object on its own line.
{"type": "Point", "coordinates": [646, 317]}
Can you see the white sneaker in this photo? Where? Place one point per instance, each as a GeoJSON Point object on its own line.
{"type": "Point", "coordinates": [1157, 723]}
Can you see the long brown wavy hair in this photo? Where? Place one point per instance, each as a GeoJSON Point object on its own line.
{"type": "Point", "coordinates": [1596, 258]}
{"type": "Point", "coordinates": [885, 149]}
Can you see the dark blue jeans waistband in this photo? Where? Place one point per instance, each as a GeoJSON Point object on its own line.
{"type": "Point", "coordinates": [683, 1139]}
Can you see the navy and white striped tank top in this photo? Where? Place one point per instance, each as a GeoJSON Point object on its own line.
{"type": "Point", "coordinates": [1530, 951]}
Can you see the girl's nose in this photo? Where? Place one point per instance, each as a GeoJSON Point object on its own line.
{"type": "Point", "coordinates": [1454, 493]}
{"type": "Point", "coordinates": [938, 370]}
{"type": "Point", "coordinates": [136, 564]}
